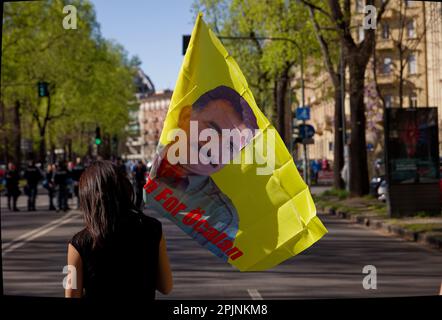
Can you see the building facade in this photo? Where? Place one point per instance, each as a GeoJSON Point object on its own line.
{"type": "Point", "coordinates": [134, 142]}
{"type": "Point", "coordinates": [408, 64]}
{"type": "Point", "coordinates": [153, 110]}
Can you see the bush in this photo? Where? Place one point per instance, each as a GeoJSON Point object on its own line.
{"type": "Point", "coordinates": [339, 193]}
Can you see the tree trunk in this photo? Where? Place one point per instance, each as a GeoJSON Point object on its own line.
{"type": "Point", "coordinates": [284, 114]}
{"type": "Point", "coordinates": [281, 108]}
{"type": "Point", "coordinates": [69, 145]}
{"type": "Point", "coordinates": [358, 152]}
{"type": "Point", "coordinates": [401, 78]}
{"type": "Point", "coordinates": [17, 134]}
{"type": "Point", "coordinates": [5, 146]}
{"type": "Point", "coordinates": [338, 146]}
{"type": "Point", "coordinates": [53, 157]}
{"type": "Point", "coordinates": [275, 105]}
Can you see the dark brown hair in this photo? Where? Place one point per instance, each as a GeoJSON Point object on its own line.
{"type": "Point", "coordinates": [106, 197]}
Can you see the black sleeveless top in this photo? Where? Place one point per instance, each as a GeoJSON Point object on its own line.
{"type": "Point", "coordinates": [126, 265]}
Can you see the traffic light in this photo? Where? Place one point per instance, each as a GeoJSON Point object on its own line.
{"type": "Point", "coordinates": [186, 40]}
{"type": "Point", "coordinates": [97, 136]}
{"type": "Point", "coordinates": [43, 89]}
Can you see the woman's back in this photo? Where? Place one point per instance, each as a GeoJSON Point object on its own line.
{"type": "Point", "coordinates": [126, 263]}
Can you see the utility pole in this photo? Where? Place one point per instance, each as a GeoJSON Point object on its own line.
{"type": "Point", "coordinates": [343, 119]}
{"type": "Point", "coordinates": [305, 171]}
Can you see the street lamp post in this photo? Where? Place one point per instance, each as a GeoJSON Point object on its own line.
{"type": "Point", "coordinates": [301, 60]}
{"type": "Point", "coordinates": [343, 119]}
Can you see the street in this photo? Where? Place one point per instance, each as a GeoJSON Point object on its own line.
{"type": "Point", "coordinates": [34, 253]}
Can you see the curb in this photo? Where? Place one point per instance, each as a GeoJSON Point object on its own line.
{"type": "Point", "coordinates": [423, 238]}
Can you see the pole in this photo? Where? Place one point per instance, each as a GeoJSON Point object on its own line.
{"type": "Point", "coordinates": [343, 120]}
{"type": "Point", "coordinates": [306, 166]}
{"type": "Point", "coordinates": [1, 240]}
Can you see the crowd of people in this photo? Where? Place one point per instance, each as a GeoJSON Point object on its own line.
{"type": "Point", "coordinates": [61, 181]}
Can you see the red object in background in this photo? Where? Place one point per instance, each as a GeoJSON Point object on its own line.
{"type": "Point", "coordinates": [440, 189]}
{"type": "Point", "coordinates": [325, 177]}
{"type": "Point", "coordinates": [410, 137]}
{"type": "Point", "coordinates": [324, 164]}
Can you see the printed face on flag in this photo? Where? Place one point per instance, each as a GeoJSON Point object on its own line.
{"type": "Point", "coordinates": [215, 129]}
{"type": "Point", "coordinates": [208, 176]}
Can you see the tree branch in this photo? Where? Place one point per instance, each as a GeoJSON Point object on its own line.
{"type": "Point", "coordinates": [324, 48]}
{"type": "Point", "coordinates": [317, 8]}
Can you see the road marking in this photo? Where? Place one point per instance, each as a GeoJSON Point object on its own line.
{"type": "Point", "coordinates": [254, 294]}
{"type": "Point", "coordinates": [33, 234]}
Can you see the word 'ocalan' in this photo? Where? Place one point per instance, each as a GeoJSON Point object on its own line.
{"type": "Point", "coordinates": [194, 218]}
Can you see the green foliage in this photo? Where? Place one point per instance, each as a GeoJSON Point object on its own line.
{"type": "Point", "coordinates": [424, 214]}
{"type": "Point", "coordinates": [424, 227]}
{"type": "Point", "coordinates": [338, 193]}
{"type": "Point", "coordinates": [91, 78]}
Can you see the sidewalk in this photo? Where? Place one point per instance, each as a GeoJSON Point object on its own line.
{"type": "Point", "coordinates": [373, 214]}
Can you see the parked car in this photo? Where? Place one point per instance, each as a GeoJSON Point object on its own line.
{"type": "Point", "coordinates": [375, 184]}
{"type": "Point", "coordinates": [382, 191]}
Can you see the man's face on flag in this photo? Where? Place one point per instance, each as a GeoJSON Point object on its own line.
{"type": "Point", "coordinates": [217, 115]}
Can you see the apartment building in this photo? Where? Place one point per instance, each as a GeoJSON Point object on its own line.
{"type": "Point", "coordinates": [153, 110]}
{"type": "Point", "coordinates": [408, 64]}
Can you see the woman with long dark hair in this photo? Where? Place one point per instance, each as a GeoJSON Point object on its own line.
{"type": "Point", "coordinates": [121, 252]}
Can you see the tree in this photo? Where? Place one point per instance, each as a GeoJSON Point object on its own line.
{"type": "Point", "coordinates": [357, 55]}
{"type": "Point", "coordinates": [269, 65]}
{"type": "Point", "coordinates": [91, 78]}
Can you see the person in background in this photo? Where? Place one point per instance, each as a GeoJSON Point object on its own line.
{"type": "Point", "coordinates": [33, 177]}
{"type": "Point", "coordinates": [121, 166]}
{"type": "Point", "coordinates": [121, 252]}
{"type": "Point", "coordinates": [77, 171]}
{"type": "Point", "coordinates": [50, 185]}
{"type": "Point", "coordinates": [140, 171]}
{"type": "Point", "coordinates": [12, 179]}
{"type": "Point", "coordinates": [61, 180]}
{"type": "Point", "coordinates": [316, 167]}
{"type": "Point", "coordinates": [70, 188]}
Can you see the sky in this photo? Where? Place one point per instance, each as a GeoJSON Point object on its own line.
{"type": "Point", "coordinates": [150, 29]}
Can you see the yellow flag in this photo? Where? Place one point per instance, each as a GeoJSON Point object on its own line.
{"type": "Point", "coordinates": [222, 172]}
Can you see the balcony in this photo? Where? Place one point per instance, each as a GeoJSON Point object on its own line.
{"type": "Point", "coordinates": [384, 44]}
{"type": "Point", "coordinates": [385, 78]}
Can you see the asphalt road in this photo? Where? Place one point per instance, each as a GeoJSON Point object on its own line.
{"type": "Point", "coordinates": [34, 253]}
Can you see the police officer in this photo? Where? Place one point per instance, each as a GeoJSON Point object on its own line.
{"type": "Point", "coordinates": [33, 177]}
{"type": "Point", "coordinates": [12, 178]}
{"type": "Point", "coordinates": [61, 180]}
{"type": "Point", "coordinates": [77, 170]}
{"type": "Point", "coordinates": [50, 185]}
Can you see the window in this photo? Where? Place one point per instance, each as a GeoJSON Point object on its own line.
{"type": "Point", "coordinates": [412, 64]}
{"type": "Point", "coordinates": [385, 31]}
{"type": "Point", "coordinates": [388, 101]}
{"type": "Point", "coordinates": [360, 6]}
{"type": "Point", "coordinates": [412, 100]}
{"type": "Point", "coordinates": [411, 30]}
{"type": "Point", "coordinates": [386, 67]}
{"type": "Point", "coordinates": [361, 33]}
